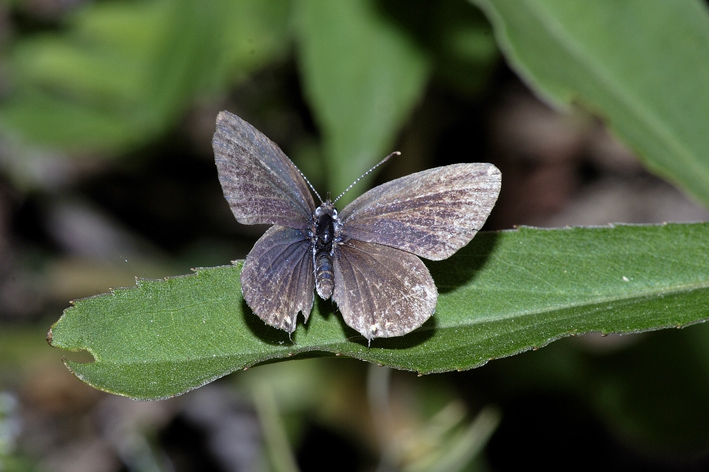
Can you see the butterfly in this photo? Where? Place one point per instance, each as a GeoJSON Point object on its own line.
{"type": "Point", "coordinates": [366, 257]}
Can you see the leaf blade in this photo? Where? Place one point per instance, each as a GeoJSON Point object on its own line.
{"type": "Point", "coordinates": [504, 294]}
{"type": "Point", "coordinates": [360, 98]}
{"type": "Point", "coordinates": [608, 56]}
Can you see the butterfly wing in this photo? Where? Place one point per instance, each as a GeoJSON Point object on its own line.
{"type": "Point", "coordinates": [431, 213]}
{"type": "Point", "coordinates": [381, 291]}
{"type": "Point", "coordinates": [259, 181]}
{"type": "Point", "coordinates": [277, 279]}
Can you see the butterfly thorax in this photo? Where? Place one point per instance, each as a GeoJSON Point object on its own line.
{"type": "Point", "coordinates": [324, 237]}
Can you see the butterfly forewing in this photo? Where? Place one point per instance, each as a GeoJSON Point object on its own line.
{"type": "Point", "coordinates": [431, 213]}
{"type": "Point", "coordinates": [381, 291]}
{"type": "Point", "coordinates": [260, 183]}
{"type": "Point", "coordinates": [277, 278]}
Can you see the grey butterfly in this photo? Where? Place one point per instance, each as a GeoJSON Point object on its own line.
{"type": "Point", "coordinates": [366, 257]}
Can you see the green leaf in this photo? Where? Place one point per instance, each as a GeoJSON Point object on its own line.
{"type": "Point", "coordinates": [503, 294]}
{"type": "Point", "coordinates": [641, 64]}
{"type": "Point", "coordinates": [457, 39]}
{"type": "Point", "coordinates": [362, 75]}
{"type": "Point", "coordinates": [124, 71]}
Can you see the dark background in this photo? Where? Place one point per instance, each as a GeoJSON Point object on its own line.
{"type": "Point", "coordinates": [80, 214]}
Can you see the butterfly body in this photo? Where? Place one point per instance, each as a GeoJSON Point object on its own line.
{"type": "Point", "coordinates": [325, 237]}
{"type": "Point", "coordinates": [366, 257]}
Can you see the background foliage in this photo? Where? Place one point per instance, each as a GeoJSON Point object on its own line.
{"type": "Point", "coordinates": [106, 113]}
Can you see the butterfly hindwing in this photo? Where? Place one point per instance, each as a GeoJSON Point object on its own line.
{"type": "Point", "coordinates": [381, 291]}
{"type": "Point", "coordinates": [277, 279]}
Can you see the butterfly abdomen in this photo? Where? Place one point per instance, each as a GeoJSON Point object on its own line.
{"type": "Point", "coordinates": [324, 233]}
{"type": "Point", "coordinates": [324, 277]}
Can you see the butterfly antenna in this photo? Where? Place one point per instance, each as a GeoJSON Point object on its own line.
{"type": "Point", "coordinates": [395, 153]}
{"type": "Point", "coordinates": [308, 182]}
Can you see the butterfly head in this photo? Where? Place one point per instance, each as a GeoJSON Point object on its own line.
{"type": "Point", "coordinates": [326, 227]}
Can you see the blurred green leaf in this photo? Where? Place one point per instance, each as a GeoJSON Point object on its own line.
{"type": "Point", "coordinates": [503, 294]}
{"type": "Point", "coordinates": [362, 75]}
{"type": "Point", "coordinates": [665, 371]}
{"type": "Point", "coordinates": [465, 51]}
{"type": "Point", "coordinates": [125, 71]}
{"type": "Point", "coordinates": [457, 449]}
{"type": "Point", "coordinates": [641, 64]}
{"type": "Point", "coordinates": [629, 381]}
{"type": "Point", "coordinates": [458, 40]}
